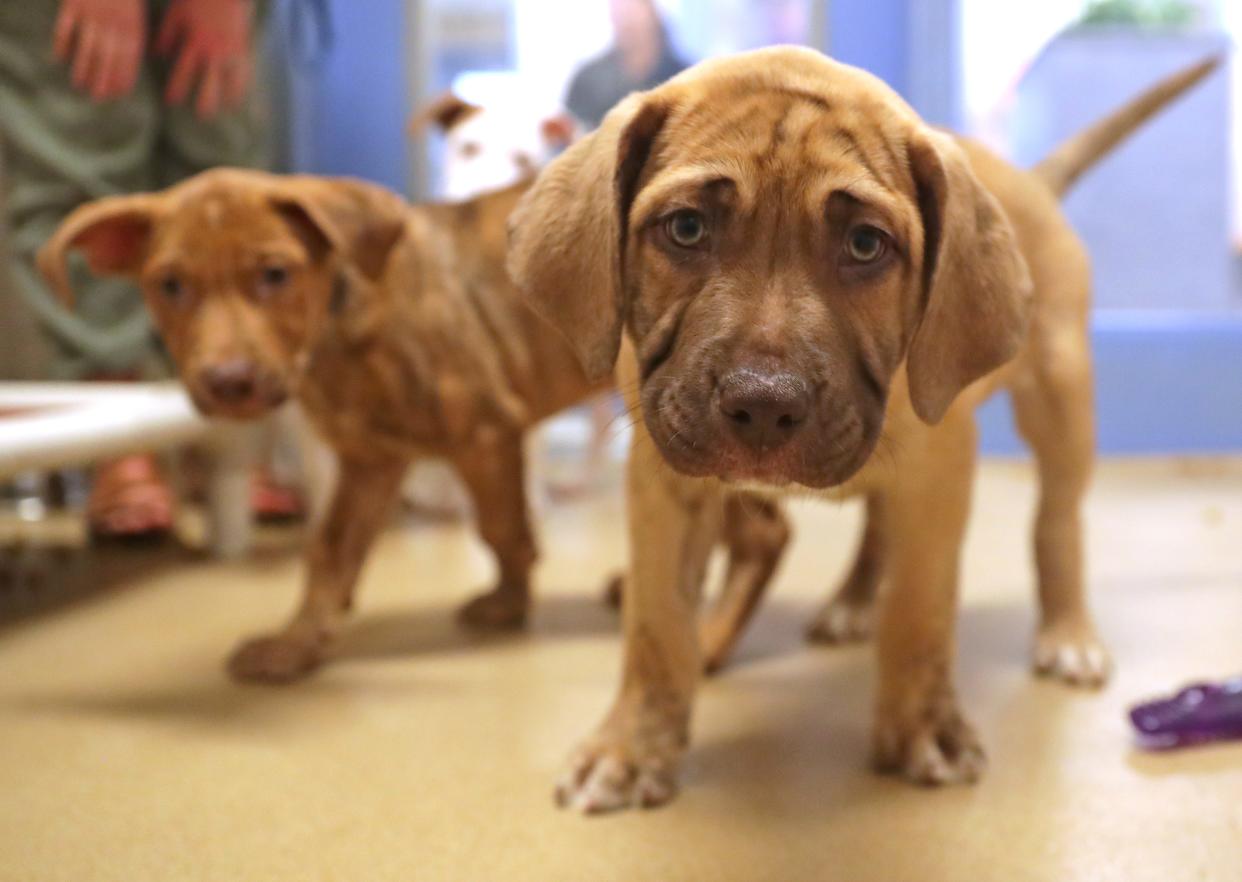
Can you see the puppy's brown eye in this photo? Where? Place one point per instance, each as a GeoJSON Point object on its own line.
{"type": "Point", "coordinates": [275, 276]}
{"type": "Point", "coordinates": [272, 279]}
{"type": "Point", "coordinates": [171, 288]}
{"type": "Point", "coordinates": [866, 244]}
{"type": "Point", "coordinates": [686, 228]}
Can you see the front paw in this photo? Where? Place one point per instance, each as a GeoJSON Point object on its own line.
{"type": "Point", "coordinates": [937, 748]}
{"type": "Point", "coordinates": [842, 621]}
{"type": "Point", "coordinates": [499, 610]}
{"type": "Point", "coordinates": [279, 659]}
{"type": "Point", "coordinates": [615, 771]}
{"type": "Point", "coordinates": [1073, 654]}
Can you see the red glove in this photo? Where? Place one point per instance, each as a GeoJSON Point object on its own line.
{"type": "Point", "coordinates": [212, 41]}
{"type": "Point", "coordinates": [106, 39]}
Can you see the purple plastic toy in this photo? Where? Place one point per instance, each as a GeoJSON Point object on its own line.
{"type": "Point", "coordinates": [1200, 713]}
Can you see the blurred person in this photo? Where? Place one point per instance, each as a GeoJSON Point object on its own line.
{"type": "Point", "coordinates": [641, 57]}
{"type": "Point", "coordinates": [98, 98]}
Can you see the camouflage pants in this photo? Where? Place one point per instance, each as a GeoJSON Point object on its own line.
{"type": "Point", "coordinates": [61, 149]}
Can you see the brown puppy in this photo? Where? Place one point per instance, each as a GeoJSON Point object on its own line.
{"type": "Point", "coordinates": [395, 327]}
{"type": "Point", "coordinates": [819, 290]}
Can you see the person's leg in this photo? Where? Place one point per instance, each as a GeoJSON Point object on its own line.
{"type": "Point", "coordinates": [61, 149]}
{"type": "Point", "coordinates": [25, 355]}
{"type": "Point", "coordinates": [187, 144]}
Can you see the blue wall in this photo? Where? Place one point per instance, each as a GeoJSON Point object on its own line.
{"type": "Point", "coordinates": [1155, 212]}
{"type": "Point", "coordinates": [913, 45]}
{"type": "Point", "coordinates": [873, 34]}
{"type": "Point", "coordinates": [1164, 384]}
{"type": "Point", "coordinates": [351, 110]}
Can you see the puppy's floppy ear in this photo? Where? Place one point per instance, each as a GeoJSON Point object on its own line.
{"type": "Point", "coordinates": [567, 236]}
{"type": "Point", "coordinates": [361, 222]}
{"type": "Point", "coordinates": [976, 288]}
{"type": "Point", "coordinates": [445, 112]}
{"type": "Point", "coordinates": [112, 233]}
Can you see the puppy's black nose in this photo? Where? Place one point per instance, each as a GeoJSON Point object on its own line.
{"type": "Point", "coordinates": [764, 409]}
{"type": "Point", "coordinates": [232, 381]}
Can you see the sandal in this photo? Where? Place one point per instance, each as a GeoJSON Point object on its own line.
{"type": "Point", "coordinates": [130, 500]}
{"type": "Point", "coordinates": [272, 501]}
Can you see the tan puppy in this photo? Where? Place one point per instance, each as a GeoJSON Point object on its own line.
{"type": "Point", "coordinates": [819, 290]}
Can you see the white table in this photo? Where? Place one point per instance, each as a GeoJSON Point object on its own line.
{"type": "Point", "coordinates": [52, 425]}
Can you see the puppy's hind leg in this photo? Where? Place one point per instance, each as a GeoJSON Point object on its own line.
{"type": "Point", "coordinates": [755, 533]}
{"type": "Point", "coordinates": [849, 613]}
{"type": "Point", "coordinates": [364, 497]}
{"type": "Point", "coordinates": [494, 472]}
{"type": "Point", "coordinates": [1055, 414]}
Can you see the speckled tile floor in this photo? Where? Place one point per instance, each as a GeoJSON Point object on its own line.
{"type": "Point", "coordinates": [424, 754]}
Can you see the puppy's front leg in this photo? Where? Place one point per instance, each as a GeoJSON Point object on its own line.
{"type": "Point", "coordinates": [364, 496]}
{"type": "Point", "coordinates": [633, 758]}
{"type": "Point", "coordinates": [493, 469]}
{"type": "Point", "coordinates": [920, 731]}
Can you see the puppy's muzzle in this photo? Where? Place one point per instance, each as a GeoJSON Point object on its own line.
{"type": "Point", "coordinates": [239, 388]}
{"type": "Point", "coordinates": [764, 409]}
{"type": "Point", "coordinates": [231, 382]}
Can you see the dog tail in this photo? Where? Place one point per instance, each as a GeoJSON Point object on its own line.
{"type": "Point", "coordinates": [1066, 163]}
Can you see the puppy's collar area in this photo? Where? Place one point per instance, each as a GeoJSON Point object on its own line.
{"type": "Point", "coordinates": [340, 325]}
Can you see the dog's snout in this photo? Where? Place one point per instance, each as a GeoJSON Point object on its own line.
{"type": "Point", "coordinates": [764, 409]}
{"type": "Point", "coordinates": [233, 381]}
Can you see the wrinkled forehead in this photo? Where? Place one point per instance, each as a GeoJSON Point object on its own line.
{"type": "Point", "coordinates": [789, 140]}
